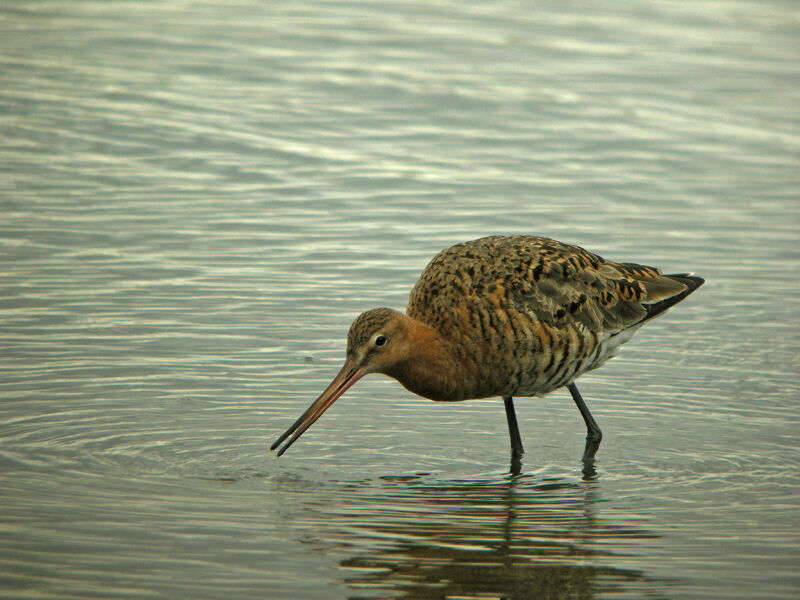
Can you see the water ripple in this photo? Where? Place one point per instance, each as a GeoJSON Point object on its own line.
{"type": "Point", "coordinates": [196, 200]}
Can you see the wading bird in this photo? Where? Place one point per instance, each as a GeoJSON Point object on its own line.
{"type": "Point", "coordinates": [504, 316]}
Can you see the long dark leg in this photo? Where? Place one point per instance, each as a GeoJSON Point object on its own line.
{"type": "Point", "coordinates": [513, 428]}
{"type": "Point", "coordinates": [516, 442]}
{"type": "Point", "coordinates": [593, 433]}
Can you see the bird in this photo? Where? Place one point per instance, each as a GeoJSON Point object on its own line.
{"type": "Point", "coordinates": [504, 316]}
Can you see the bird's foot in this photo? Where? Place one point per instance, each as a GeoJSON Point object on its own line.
{"type": "Point", "coordinates": [592, 444]}
{"type": "Point", "coordinates": [516, 463]}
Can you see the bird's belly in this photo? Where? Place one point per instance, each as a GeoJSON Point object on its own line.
{"type": "Point", "coordinates": [551, 368]}
{"type": "Point", "coordinates": [608, 347]}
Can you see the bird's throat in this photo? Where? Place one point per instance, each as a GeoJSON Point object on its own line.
{"type": "Point", "coordinates": [430, 367]}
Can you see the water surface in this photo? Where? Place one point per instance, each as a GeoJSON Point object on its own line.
{"type": "Point", "coordinates": [197, 199]}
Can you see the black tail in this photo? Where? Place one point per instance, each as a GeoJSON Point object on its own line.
{"type": "Point", "coordinates": [692, 282]}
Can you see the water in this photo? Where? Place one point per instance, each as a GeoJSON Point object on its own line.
{"type": "Point", "coordinates": [197, 198]}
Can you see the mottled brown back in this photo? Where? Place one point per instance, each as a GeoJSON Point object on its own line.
{"type": "Point", "coordinates": [529, 314]}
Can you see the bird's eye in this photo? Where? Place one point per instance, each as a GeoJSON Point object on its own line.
{"type": "Point", "coordinates": [380, 340]}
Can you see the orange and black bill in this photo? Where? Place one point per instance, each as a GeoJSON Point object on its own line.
{"type": "Point", "coordinates": [340, 384]}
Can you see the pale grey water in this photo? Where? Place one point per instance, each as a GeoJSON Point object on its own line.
{"type": "Point", "coordinates": [196, 200]}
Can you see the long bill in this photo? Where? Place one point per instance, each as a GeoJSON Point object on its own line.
{"type": "Point", "coordinates": [349, 374]}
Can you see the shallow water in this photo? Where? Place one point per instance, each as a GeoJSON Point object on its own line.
{"type": "Point", "coordinates": [197, 198]}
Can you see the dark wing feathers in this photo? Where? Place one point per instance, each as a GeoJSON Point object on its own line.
{"type": "Point", "coordinates": [568, 283]}
{"type": "Point", "coordinates": [554, 282]}
{"type": "Point", "coordinates": [689, 282]}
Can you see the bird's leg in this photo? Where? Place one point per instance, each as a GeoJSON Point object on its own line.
{"type": "Point", "coordinates": [516, 443]}
{"type": "Point", "coordinates": [593, 433]}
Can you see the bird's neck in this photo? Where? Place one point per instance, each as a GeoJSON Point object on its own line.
{"type": "Point", "coordinates": [430, 367]}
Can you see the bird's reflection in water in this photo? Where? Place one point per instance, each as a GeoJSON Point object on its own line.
{"type": "Point", "coordinates": [513, 538]}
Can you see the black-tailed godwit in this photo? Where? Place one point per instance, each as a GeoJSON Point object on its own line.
{"type": "Point", "coordinates": [504, 316]}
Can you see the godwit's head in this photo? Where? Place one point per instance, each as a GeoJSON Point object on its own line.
{"type": "Point", "coordinates": [377, 342]}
